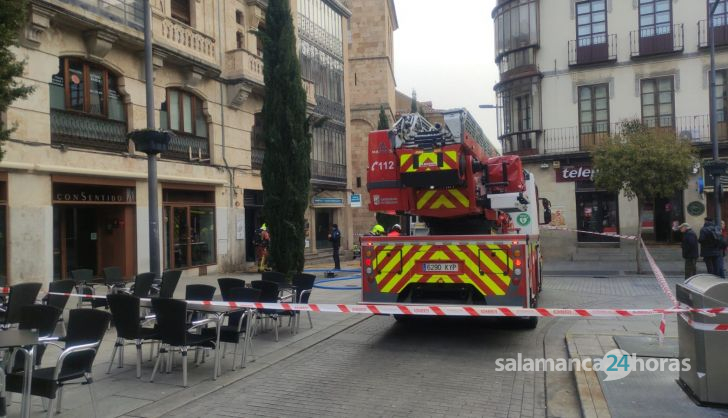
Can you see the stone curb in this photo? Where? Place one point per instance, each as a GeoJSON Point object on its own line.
{"type": "Point", "coordinates": [190, 394]}
{"type": "Point", "coordinates": [591, 398]}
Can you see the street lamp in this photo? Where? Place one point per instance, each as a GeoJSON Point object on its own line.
{"type": "Point", "coordinates": [716, 168]}
{"type": "Point", "coordinates": [151, 142]}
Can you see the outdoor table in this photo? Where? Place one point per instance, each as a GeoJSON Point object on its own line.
{"type": "Point", "coordinates": [219, 312]}
{"type": "Point", "coordinates": [19, 339]}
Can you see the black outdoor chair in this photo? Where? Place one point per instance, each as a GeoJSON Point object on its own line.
{"type": "Point", "coordinates": [142, 285]}
{"type": "Point", "coordinates": [20, 295]}
{"type": "Point", "coordinates": [235, 328]}
{"type": "Point", "coordinates": [199, 292]}
{"type": "Point", "coordinates": [113, 277]}
{"type": "Point", "coordinates": [59, 301]}
{"type": "Point", "coordinates": [170, 278]}
{"type": "Point", "coordinates": [228, 283]}
{"type": "Point", "coordinates": [84, 285]}
{"type": "Point", "coordinates": [174, 331]}
{"type": "Point", "coordinates": [127, 319]}
{"type": "Point", "coordinates": [274, 276]}
{"type": "Point", "coordinates": [42, 318]}
{"type": "Point", "coordinates": [303, 284]}
{"type": "Point", "coordinates": [268, 294]}
{"type": "Point", "coordinates": [86, 328]}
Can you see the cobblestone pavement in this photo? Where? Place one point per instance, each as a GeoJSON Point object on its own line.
{"type": "Point", "coordinates": [424, 367]}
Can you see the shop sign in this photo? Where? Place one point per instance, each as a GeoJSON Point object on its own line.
{"type": "Point", "coordinates": [355, 200]}
{"type": "Point", "coordinates": [574, 173]}
{"type": "Point", "coordinates": [328, 201]}
{"type": "Point", "coordinates": [696, 208]}
{"type": "Point", "coordinates": [74, 193]}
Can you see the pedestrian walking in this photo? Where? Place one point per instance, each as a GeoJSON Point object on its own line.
{"type": "Point", "coordinates": [335, 238]}
{"type": "Point", "coordinates": [395, 231]}
{"type": "Point", "coordinates": [711, 246]}
{"type": "Point", "coordinates": [690, 249]}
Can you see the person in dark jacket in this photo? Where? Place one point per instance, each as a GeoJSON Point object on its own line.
{"type": "Point", "coordinates": [689, 249]}
{"type": "Point", "coordinates": [335, 238]}
{"type": "Point", "coordinates": [710, 246]}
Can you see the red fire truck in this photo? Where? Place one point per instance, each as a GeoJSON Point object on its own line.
{"type": "Point", "coordinates": [482, 211]}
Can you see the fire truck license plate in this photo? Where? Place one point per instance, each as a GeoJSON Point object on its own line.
{"type": "Point", "coordinates": [440, 267]}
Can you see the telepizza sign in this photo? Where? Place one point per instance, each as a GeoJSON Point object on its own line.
{"type": "Point", "coordinates": [574, 173]}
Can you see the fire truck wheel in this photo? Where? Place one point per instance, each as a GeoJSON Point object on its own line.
{"type": "Point", "coordinates": [530, 322]}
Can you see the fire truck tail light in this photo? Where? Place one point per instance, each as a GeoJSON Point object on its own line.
{"type": "Point", "coordinates": [517, 272]}
{"type": "Point", "coordinates": [368, 263]}
{"type": "Point", "coordinates": [369, 270]}
{"type": "Point", "coordinates": [518, 262]}
{"type": "Point", "coordinates": [517, 253]}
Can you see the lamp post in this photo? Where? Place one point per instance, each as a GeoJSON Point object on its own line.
{"type": "Point", "coordinates": [716, 168]}
{"type": "Point", "coordinates": [151, 142]}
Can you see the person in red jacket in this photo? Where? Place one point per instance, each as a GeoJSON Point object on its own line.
{"type": "Point", "coordinates": [396, 231]}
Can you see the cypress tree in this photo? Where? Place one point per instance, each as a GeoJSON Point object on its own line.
{"type": "Point", "coordinates": [286, 169]}
{"type": "Point", "coordinates": [12, 18]}
{"type": "Point", "coordinates": [383, 121]}
{"type": "Point", "coordinates": [413, 103]}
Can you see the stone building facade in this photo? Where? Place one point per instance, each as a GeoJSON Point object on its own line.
{"type": "Point", "coordinates": [572, 70]}
{"type": "Point", "coordinates": [73, 192]}
{"type": "Point", "coordinates": [372, 86]}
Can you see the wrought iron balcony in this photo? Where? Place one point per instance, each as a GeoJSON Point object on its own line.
{"type": "Point", "coordinates": [256, 158]}
{"type": "Point", "coordinates": [126, 12]}
{"type": "Point", "coordinates": [720, 26]}
{"type": "Point", "coordinates": [520, 143]}
{"type": "Point", "coordinates": [663, 39]}
{"type": "Point", "coordinates": [328, 173]}
{"type": "Point", "coordinates": [695, 129]}
{"type": "Point", "coordinates": [84, 131]}
{"type": "Point", "coordinates": [593, 49]}
{"type": "Point", "coordinates": [183, 145]}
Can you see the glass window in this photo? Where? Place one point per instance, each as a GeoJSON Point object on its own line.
{"type": "Point", "coordinates": [86, 88]}
{"type": "Point", "coordinates": [202, 230]}
{"type": "Point", "coordinates": [183, 112]}
{"type": "Point", "coordinates": [593, 109]}
{"type": "Point", "coordinates": [591, 22]}
{"type": "Point", "coordinates": [655, 17]}
{"type": "Point", "coordinates": [516, 25]}
{"type": "Point", "coordinates": [658, 102]}
{"type": "Point", "coordinates": [181, 11]}
{"type": "Point", "coordinates": [721, 95]}
{"type": "Point", "coordinates": [76, 78]}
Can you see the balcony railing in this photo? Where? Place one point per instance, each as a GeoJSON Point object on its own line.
{"type": "Point", "coordinates": [126, 12]}
{"type": "Point", "coordinates": [695, 129]}
{"type": "Point", "coordinates": [240, 63]}
{"type": "Point", "coordinates": [326, 172]}
{"type": "Point", "coordinates": [593, 49]}
{"type": "Point", "coordinates": [520, 143]}
{"type": "Point", "coordinates": [185, 38]}
{"type": "Point", "coordinates": [80, 130]}
{"type": "Point", "coordinates": [662, 39]}
{"type": "Point", "coordinates": [721, 32]}
{"type": "Point", "coordinates": [183, 145]}
{"type": "Point", "coordinates": [256, 158]}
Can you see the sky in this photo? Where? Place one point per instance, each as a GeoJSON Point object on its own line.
{"type": "Point", "coordinates": [444, 50]}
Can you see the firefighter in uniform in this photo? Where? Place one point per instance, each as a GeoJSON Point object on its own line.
{"type": "Point", "coordinates": [396, 231]}
{"type": "Point", "coordinates": [262, 241]}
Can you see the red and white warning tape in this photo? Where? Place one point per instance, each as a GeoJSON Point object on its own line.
{"type": "Point", "coordinates": [444, 310]}
{"type": "Point", "coordinates": [565, 229]}
{"type": "Point", "coordinates": [703, 326]}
